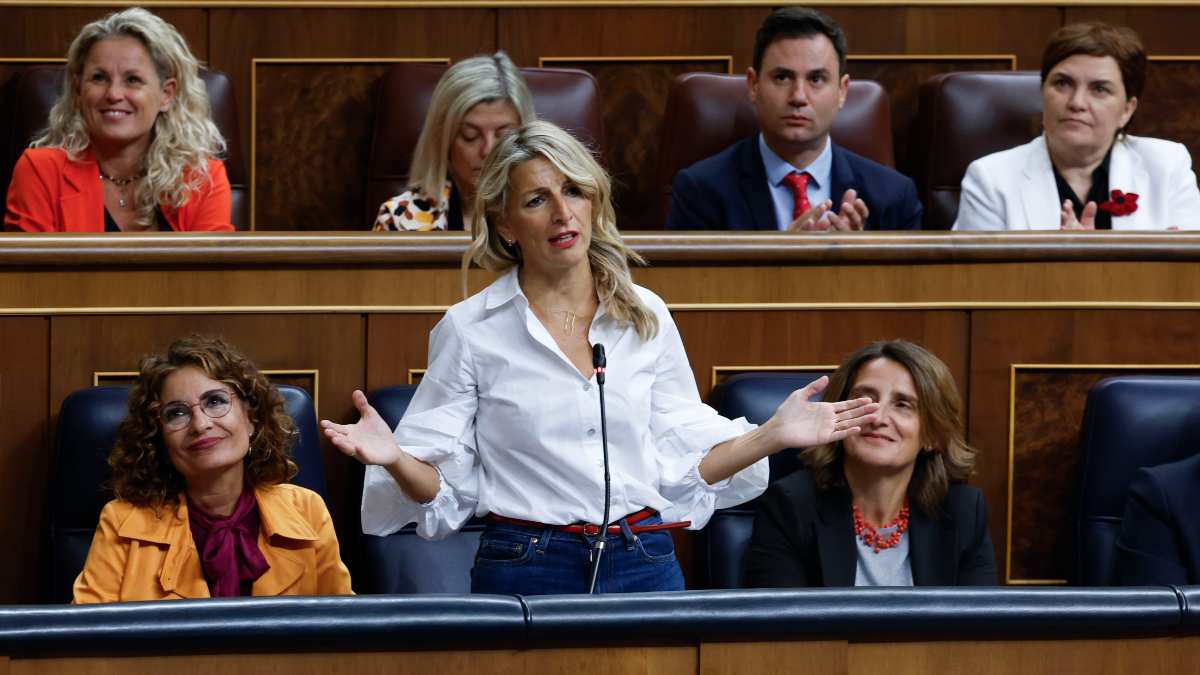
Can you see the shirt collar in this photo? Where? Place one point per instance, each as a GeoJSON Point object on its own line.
{"type": "Point", "coordinates": [504, 289]}
{"type": "Point", "coordinates": [777, 168]}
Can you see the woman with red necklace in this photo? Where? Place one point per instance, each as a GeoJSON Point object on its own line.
{"type": "Point", "coordinates": [887, 507]}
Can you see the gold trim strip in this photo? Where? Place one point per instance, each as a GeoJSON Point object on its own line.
{"type": "Point", "coordinates": [674, 307]}
{"type": "Point", "coordinates": [1012, 415]}
{"type": "Point", "coordinates": [727, 59]}
{"type": "Point", "coordinates": [413, 372]}
{"type": "Point", "coordinates": [314, 372]}
{"type": "Point", "coordinates": [318, 60]}
{"type": "Point", "coordinates": [1011, 58]}
{"type": "Point", "coordinates": [765, 369]}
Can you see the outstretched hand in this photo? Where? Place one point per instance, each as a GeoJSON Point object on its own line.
{"type": "Point", "coordinates": [369, 440]}
{"type": "Point", "coordinates": [801, 423]}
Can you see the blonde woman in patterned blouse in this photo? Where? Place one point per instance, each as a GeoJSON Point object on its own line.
{"type": "Point", "coordinates": [475, 103]}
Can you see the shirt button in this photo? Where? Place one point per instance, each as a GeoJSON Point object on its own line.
{"type": "Point", "coordinates": [591, 432]}
{"type": "Point", "coordinates": [587, 386]}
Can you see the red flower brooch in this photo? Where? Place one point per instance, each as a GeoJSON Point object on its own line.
{"type": "Point", "coordinates": [1120, 203]}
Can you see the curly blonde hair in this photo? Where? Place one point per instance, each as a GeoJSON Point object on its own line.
{"type": "Point", "coordinates": [945, 457]}
{"type": "Point", "coordinates": [184, 137]}
{"type": "Point", "coordinates": [479, 79]}
{"type": "Point", "coordinates": [142, 472]}
{"type": "Point", "coordinates": [608, 255]}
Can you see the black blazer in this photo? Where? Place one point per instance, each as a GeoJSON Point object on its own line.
{"type": "Point", "coordinates": [805, 537]}
{"type": "Point", "coordinates": [1160, 534]}
{"type": "Point", "coordinates": [728, 191]}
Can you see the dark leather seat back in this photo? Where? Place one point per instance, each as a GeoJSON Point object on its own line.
{"type": "Point", "coordinates": [31, 94]}
{"type": "Point", "coordinates": [964, 116]}
{"type": "Point", "coordinates": [724, 541]}
{"type": "Point", "coordinates": [569, 98]}
{"type": "Point", "coordinates": [87, 429]}
{"type": "Point", "coordinates": [1129, 422]}
{"type": "Point", "coordinates": [403, 562]}
{"type": "Point", "coordinates": [707, 113]}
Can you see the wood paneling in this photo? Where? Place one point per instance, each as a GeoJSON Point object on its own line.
{"type": "Point", "coordinates": [1167, 107]}
{"type": "Point", "coordinates": [765, 658]}
{"type": "Point", "coordinates": [634, 95]}
{"type": "Point", "coordinates": [1000, 339]}
{"type": "Point", "coordinates": [48, 31]}
{"type": "Point", "coordinates": [780, 338]}
{"type": "Point", "coordinates": [241, 35]}
{"type": "Point", "coordinates": [24, 460]}
{"type": "Point", "coordinates": [608, 660]}
{"type": "Point", "coordinates": [291, 190]}
{"type": "Point", "coordinates": [1165, 656]}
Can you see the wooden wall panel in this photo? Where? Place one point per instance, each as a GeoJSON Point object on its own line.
{"type": "Point", "coordinates": [396, 344]}
{"type": "Point", "coordinates": [48, 31]}
{"type": "Point", "coordinates": [311, 170]}
{"type": "Point", "coordinates": [24, 462]}
{"type": "Point", "coordinates": [241, 35]}
{"type": "Point", "coordinates": [1000, 339]}
{"type": "Point", "coordinates": [331, 344]}
{"type": "Point", "coordinates": [635, 98]}
{"type": "Point", "coordinates": [1167, 108]}
{"type": "Point", "coordinates": [764, 658]}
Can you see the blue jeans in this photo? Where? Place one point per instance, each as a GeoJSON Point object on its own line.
{"type": "Point", "coordinates": [514, 559]}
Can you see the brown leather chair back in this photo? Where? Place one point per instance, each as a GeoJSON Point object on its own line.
{"type": "Point", "coordinates": [32, 91]}
{"type": "Point", "coordinates": [707, 113]}
{"type": "Point", "coordinates": [569, 98]}
{"type": "Point", "coordinates": [965, 116]}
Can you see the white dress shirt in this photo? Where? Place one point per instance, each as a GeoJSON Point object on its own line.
{"type": "Point", "coordinates": [513, 428]}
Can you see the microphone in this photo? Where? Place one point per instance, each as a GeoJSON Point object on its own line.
{"type": "Point", "coordinates": [599, 365]}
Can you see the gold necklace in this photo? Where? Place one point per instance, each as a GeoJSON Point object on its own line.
{"type": "Point", "coordinates": [120, 183]}
{"type": "Point", "coordinates": [569, 316]}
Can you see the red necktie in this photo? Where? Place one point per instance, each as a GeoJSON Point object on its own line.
{"type": "Point", "coordinates": [799, 184]}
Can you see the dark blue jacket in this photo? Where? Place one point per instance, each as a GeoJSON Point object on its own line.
{"type": "Point", "coordinates": [728, 191]}
{"type": "Point", "coordinates": [1160, 534]}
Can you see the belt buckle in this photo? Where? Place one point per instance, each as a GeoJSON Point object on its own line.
{"type": "Point", "coordinates": [591, 530]}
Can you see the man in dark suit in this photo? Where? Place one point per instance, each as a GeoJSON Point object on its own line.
{"type": "Point", "coordinates": [788, 176]}
{"type": "Point", "coordinates": [1160, 534]}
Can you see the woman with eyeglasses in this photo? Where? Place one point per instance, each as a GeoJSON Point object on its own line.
{"type": "Point", "coordinates": [201, 508]}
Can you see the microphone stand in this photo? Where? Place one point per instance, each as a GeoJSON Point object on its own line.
{"type": "Point", "coordinates": [599, 365]}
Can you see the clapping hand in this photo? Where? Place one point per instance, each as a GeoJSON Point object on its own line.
{"type": "Point", "coordinates": [1086, 221]}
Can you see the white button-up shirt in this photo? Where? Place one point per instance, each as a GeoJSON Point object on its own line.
{"type": "Point", "coordinates": [513, 428]}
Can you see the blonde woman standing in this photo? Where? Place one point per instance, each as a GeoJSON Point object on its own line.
{"type": "Point", "coordinates": [506, 421]}
{"type": "Point", "coordinates": [477, 101]}
{"type": "Point", "coordinates": [131, 143]}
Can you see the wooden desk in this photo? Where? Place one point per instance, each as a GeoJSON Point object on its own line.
{"type": "Point", "coordinates": [1026, 322]}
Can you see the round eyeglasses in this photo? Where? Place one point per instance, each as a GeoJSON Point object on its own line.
{"type": "Point", "coordinates": [177, 415]}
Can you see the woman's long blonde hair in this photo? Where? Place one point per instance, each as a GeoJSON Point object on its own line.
{"type": "Point", "coordinates": [479, 79]}
{"type": "Point", "coordinates": [608, 255]}
{"type": "Point", "coordinates": [184, 136]}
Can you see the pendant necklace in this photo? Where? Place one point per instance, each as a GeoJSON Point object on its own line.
{"type": "Point", "coordinates": [120, 183]}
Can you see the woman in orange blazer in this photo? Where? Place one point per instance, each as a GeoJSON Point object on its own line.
{"type": "Point", "coordinates": [202, 509]}
{"type": "Point", "coordinates": [131, 144]}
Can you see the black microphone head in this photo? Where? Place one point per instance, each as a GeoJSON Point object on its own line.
{"type": "Point", "coordinates": [598, 356]}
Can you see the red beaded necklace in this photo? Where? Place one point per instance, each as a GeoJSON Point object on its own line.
{"type": "Point", "coordinates": [863, 530]}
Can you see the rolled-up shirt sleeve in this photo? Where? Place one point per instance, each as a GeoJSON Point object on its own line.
{"type": "Point", "coordinates": [438, 428]}
{"type": "Point", "coordinates": [684, 430]}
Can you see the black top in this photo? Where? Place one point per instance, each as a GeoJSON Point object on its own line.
{"type": "Point", "coordinates": [110, 225]}
{"type": "Point", "coordinates": [454, 216]}
{"type": "Point", "coordinates": [805, 537]}
{"type": "Point", "coordinates": [1098, 193]}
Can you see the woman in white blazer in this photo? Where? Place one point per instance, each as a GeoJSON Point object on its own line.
{"type": "Point", "coordinates": [1084, 171]}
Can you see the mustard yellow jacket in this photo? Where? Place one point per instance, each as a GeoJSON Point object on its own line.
{"type": "Point", "coordinates": [138, 555]}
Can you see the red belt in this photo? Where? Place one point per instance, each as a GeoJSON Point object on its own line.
{"type": "Point", "coordinates": [592, 530]}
